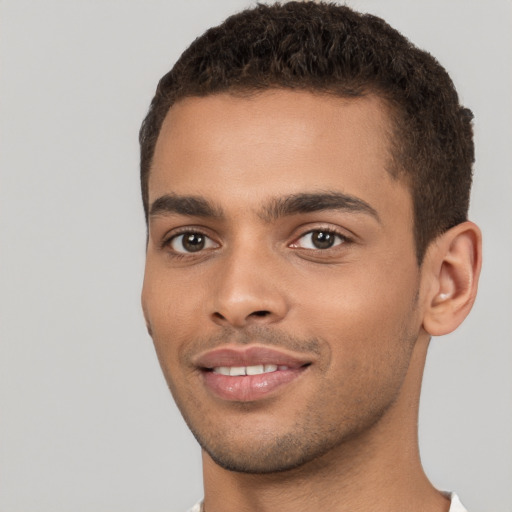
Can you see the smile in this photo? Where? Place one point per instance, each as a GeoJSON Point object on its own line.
{"type": "Point", "coordinates": [249, 373]}
{"type": "Point", "coordinates": [257, 369]}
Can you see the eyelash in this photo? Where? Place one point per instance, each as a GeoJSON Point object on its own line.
{"type": "Point", "coordinates": [167, 242]}
{"type": "Point", "coordinates": [342, 239]}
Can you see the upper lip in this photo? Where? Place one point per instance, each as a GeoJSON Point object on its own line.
{"type": "Point", "coordinates": [249, 356]}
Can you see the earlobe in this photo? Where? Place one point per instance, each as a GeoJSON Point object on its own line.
{"type": "Point", "coordinates": [454, 262]}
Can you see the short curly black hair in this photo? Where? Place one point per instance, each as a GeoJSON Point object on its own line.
{"type": "Point", "coordinates": [329, 48]}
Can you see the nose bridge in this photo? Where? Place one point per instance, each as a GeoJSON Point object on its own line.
{"type": "Point", "coordinates": [247, 286]}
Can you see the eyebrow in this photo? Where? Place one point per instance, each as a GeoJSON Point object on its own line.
{"type": "Point", "coordinates": [276, 208]}
{"type": "Point", "coordinates": [184, 205]}
{"type": "Point", "coordinates": [307, 203]}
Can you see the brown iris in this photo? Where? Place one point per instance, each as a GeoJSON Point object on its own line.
{"type": "Point", "coordinates": [322, 239]}
{"type": "Point", "coordinates": [193, 242]}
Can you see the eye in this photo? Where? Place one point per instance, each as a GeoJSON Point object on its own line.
{"type": "Point", "coordinates": [319, 239]}
{"type": "Point", "coordinates": [191, 241]}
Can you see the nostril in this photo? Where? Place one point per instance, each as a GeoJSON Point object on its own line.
{"type": "Point", "coordinates": [260, 313]}
{"type": "Point", "coordinates": [239, 319]}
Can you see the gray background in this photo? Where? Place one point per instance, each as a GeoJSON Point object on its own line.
{"type": "Point", "coordinates": [86, 421]}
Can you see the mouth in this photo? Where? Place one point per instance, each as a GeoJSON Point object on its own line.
{"type": "Point", "coordinates": [249, 374]}
{"type": "Point", "coordinates": [256, 369]}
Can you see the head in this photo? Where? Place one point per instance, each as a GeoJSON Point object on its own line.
{"type": "Point", "coordinates": [305, 175]}
{"type": "Point", "coordinates": [327, 48]}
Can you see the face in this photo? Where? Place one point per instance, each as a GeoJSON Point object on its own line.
{"type": "Point", "coordinates": [281, 280]}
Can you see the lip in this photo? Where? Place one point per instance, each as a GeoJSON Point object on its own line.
{"type": "Point", "coordinates": [248, 356]}
{"type": "Point", "coordinates": [249, 388]}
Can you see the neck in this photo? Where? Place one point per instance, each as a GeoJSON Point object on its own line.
{"type": "Point", "coordinates": [378, 470]}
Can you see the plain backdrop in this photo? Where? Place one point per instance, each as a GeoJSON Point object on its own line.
{"type": "Point", "coordinates": [86, 420]}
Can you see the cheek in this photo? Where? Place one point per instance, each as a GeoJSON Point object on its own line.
{"type": "Point", "coordinates": [364, 315]}
{"type": "Point", "coordinates": [172, 301]}
{"type": "Point", "coordinates": [169, 311]}
{"type": "Point", "coordinates": [370, 332]}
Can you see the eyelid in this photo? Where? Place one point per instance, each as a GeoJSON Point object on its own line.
{"type": "Point", "coordinates": [171, 235]}
{"type": "Point", "coordinates": [208, 243]}
{"type": "Point", "coordinates": [342, 234]}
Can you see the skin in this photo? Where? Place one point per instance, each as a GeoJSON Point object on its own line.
{"type": "Point", "coordinates": [343, 434]}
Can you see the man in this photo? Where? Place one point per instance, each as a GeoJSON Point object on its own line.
{"type": "Point", "coordinates": [305, 176]}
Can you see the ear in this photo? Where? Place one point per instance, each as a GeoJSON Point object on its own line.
{"type": "Point", "coordinates": [452, 268]}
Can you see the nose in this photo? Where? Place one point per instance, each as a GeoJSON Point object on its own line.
{"type": "Point", "coordinates": [248, 289]}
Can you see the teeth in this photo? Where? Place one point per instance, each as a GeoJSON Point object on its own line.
{"type": "Point", "coordinates": [257, 369]}
{"type": "Point", "coordinates": [236, 371]}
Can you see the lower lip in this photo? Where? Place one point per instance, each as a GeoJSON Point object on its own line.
{"type": "Point", "coordinates": [248, 388]}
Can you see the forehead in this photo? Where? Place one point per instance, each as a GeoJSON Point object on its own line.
{"type": "Point", "coordinates": [238, 149]}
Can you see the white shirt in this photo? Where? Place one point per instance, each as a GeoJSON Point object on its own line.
{"type": "Point", "coordinates": [456, 505]}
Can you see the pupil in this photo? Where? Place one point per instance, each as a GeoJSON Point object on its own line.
{"type": "Point", "coordinates": [322, 240]}
{"type": "Point", "coordinates": [193, 242]}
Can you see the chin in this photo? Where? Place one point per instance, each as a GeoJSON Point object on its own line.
{"type": "Point", "coordinates": [262, 461]}
{"type": "Point", "coordinates": [266, 454]}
